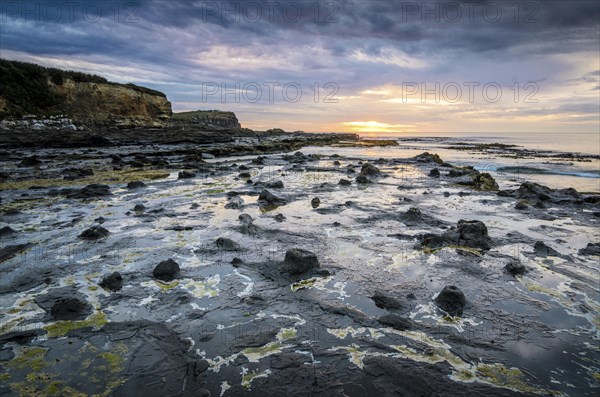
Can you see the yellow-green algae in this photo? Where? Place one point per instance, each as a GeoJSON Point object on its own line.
{"type": "Point", "coordinates": [165, 286]}
{"type": "Point", "coordinates": [254, 354]}
{"type": "Point", "coordinates": [24, 204]}
{"type": "Point", "coordinates": [29, 358]}
{"type": "Point", "coordinates": [248, 377]}
{"type": "Point", "coordinates": [342, 333]}
{"type": "Point", "coordinates": [302, 284]}
{"type": "Point", "coordinates": [474, 251]}
{"type": "Point", "coordinates": [61, 328]}
{"type": "Point", "coordinates": [101, 176]}
{"type": "Point", "coordinates": [40, 384]}
{"type": "Point", "coordinates": [287, 333]}
{"type": "Point", "coordinates": [215, 191]}
{"type": "Point", "coordinates": [508, 378]}
{"type": "Point", "coordinates": [204, 288]}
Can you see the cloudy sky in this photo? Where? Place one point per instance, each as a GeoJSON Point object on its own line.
{"type": "Point", "coordinates": [378, 66]}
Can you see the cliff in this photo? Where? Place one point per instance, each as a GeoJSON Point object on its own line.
{"type": "Point", "coordinates": [31, 93]}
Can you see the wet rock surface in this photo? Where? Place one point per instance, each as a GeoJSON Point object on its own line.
{"type": "Point", "coordinates": [260, 298]}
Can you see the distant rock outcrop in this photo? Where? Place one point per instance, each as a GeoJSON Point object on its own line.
{"type": "Point", "coordinates": [208, 118]}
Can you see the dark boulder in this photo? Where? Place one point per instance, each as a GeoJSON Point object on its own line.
{"type": "Point", "coordinates": [275, 185]}
{"type": "Point", "coordinates": [434, 173]}
{"type": "Point", "coordinates": [473, 234]}
{"type": "Point", "coordinates": [94, 233]}
{"type": "Point", "coordinates": [362, 179]}
{"type": "Point", "coordinates": [6, 231]}
{"type": "Point", "coordinates": [298, 261]}
{"type": "Point", "coordinates": [236, 262]}
{"type": "Point", "coordinates": [245, 219]}
{"type": "Point", "coordinates": [234, 203]}
{"type": "Point", "coordinates": [591, 249]}
{"type": "Point", "coordinates": [515, 267]}
{"type": "Point", "coordinates": [89, 191]}
{"type": "Point", "coordinates": [69, 308]}
{"type": "Point", "coordinates": [384, 301]}
{"type": "Point", "coordinates": [227, 244]}
{"type": "Point", "coordinates": [315, 202]}
{"type": "Point", "coordinates": [136, 185]}
{"type": "Point", "coordinates": [451, 300]}
{"type": "Point", "coordinates": [536, 192]}
{"type": "Point", "coordinates": [542, 250]}
{"type": "Point", "coordinates": [260, 160]}
{"type": "Point", "coordinates": [279, 217]}
{"type": "Point", "coordinates": [521, 205]}
{"type": "Point", "coordinates": [139, 208]}
{"type": "Point", "coordinates": [112, 282]}
{"type": "Point", "coordinates": [428, 158]}
{"type": "Point", "coordinates": [344, 182]}
{"type": "Point", "coordinates": [186, 175]}
{"type": "Point", "coordinates": [458, 172]}
{"type": "Point", "coordinates": [484, 182]}
{"type": "Point", "coordinates": [71, 174]}
{"type": "Point", "coordinates": [31, 161]}
{"type": "Point", "coordinates": [166, 270]}
{"type": "Point", "coordinates": [592, 199]}
{"type": "Point", "coordinates": [269, 198]}
{"type": "Point", "coordinates": [10, 251]}
{"type": "Point", "coordinates": [370, 170]}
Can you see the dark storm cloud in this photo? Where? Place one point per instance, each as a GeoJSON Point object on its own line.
{"type": "Point", "coordinates": [357, 44]}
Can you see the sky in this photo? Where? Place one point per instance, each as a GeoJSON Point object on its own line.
{"type": "Point", "coordinates": [377, 67]}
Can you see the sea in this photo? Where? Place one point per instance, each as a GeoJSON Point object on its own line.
{"type": "Point", "coordinates": [557, 160]}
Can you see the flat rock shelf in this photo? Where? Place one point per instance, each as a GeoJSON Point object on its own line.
{"type": "Point", "coordinates": [266, 275]}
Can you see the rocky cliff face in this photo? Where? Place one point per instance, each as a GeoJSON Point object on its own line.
{"type": "Point", "coordinates": [111, 104]}
{"type": "Point", "coordinates": [32, 95]}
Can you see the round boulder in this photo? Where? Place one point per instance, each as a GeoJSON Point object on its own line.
{"type": "Point", "coordinates": [451, 300]}
{"type": "Point", "coordinates": [515, 267]}
{"type": "Point", "coordinates": [298, 261]}
{"type": "Point", "coordinates": [166, 270]}
{"type": "Point", "coordinates": [315, 202]}
{"type": "Point", "coordinates": [112, 282]}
